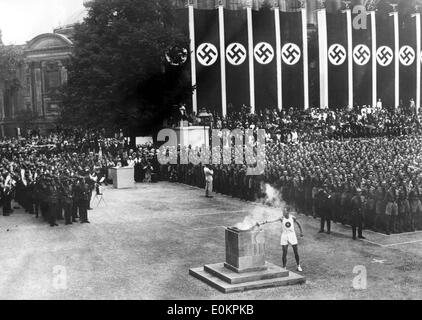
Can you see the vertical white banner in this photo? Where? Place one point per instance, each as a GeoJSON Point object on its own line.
{"type": "Point", "coordinates": [251, 60]}
{"type": "Point", "coordinates": [349, 57]}
{"type": "Point", "coordinates": [278, 57]}
{"type": "Point", "coordinates": [374, 56]}
{"type": "Point", "coordinates": [418, 60]}
{"type": "Point", "coordinates": [395, 16]}
{"type": "Point", "coordinates": [305, 56]}
{"type": "Point", "coordinates": [222, 60]}
{"type": "Point", "coordinates": [192, 56]}
{"type": "Point", "coordinates": [323, 58]}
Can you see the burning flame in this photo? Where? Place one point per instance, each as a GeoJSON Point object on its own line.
{"type": "Point", "coordinates": [272, 198]}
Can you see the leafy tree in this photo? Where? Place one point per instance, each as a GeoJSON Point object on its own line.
{"type": "Point", "coordinates": [10, 61]}
{"type": "Point", "coordinates": [119, 76]}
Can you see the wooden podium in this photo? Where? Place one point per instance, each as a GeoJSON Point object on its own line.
{"type": "Point", "coordinates": [123, 178]}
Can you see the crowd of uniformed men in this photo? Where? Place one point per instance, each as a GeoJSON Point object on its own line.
{"type": "Point", "coordinates": [55, 176]}
{"type": "Point", "coordinates": [373, 179]}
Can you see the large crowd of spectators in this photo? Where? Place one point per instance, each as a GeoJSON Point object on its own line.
{"type": "Point", "coordinates": [320, 159]}
{"type": "Point", "coordinates": [55, 175]}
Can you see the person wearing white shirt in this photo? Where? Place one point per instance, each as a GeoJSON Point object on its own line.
{"type": "Point", "coordinates": [288, 236]}
{"type": "Point", "coordinates": [208, 180]}
{"type": "Point", "coordinates": [130, 162]}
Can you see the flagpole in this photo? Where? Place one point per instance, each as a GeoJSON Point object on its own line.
{"type": "Point", "coordinates": [278, 56]}
{"type": "Point", "coordinates": [417, 16]}
{"type": "Point", "coordinates": [305, 54]}
{"type": "Point", "coordinates": [251, 58]}
{"type": "Point", "coordinates": [323, 58]}
{"type": "Point", "coordinates": [374, 57]}
{"type": "Point", "coordinates": [222, 58]}
{"type": "Point", "coordinates": [192, 55]}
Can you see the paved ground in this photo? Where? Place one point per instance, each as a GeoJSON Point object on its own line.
{"type": "Point", "coordinates": [143, 242]}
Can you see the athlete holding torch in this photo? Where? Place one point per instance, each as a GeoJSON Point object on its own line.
{"type": "Point", "coordinates": [288, 236]}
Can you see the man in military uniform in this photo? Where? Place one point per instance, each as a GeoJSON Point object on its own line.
{"type": "Point", "coordinates": [323, 208]}
{"type": "Point", "coordinates": [84, 198]}
{"type": "Point", "coordinates": [68, 200]}
{"type": "Point", "coordinates": [356, 213]}
{"type": "Point", "coordinates": [391, 209]}
{"type": "Point", "coordinates": [53, 202]}
{"type": "Point", "coordinates": [415, 208]}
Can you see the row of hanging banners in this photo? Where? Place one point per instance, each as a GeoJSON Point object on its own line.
{"type": "Point", "coordinates": [260, 59]}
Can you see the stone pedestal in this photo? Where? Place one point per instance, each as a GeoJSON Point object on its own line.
{"type": "Point", "coordinates": [123, 178]}
{"type": "Point", "coordinates": [245, 267]}
{"type": "Point", "coordinates": [245, 250]}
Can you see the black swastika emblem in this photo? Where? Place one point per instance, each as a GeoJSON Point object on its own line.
{"type": "Point", "coordinates": [407, 55]}
{"type": "Point", "coordinates": [264, 53]}
{"type": "Point", "coordinates": [337, 54]}
{"type": "Point", "coordinates": [384, 56]}
{"type": "Point", "coordinates": [207, 54]}
{"type": "Point", "coordinates": [290, 53]}
{"type": "Point", "coordinates": [236, 54]}
{"type": "Point", "coordinates": [361, 54]}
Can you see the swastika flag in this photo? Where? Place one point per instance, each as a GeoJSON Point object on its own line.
{"type": "Point", "coordinates": [265, 63]}
{"type": "Point", "coordinates": [292, 59]}
{"type": "Point", "coordinates": [208, 71]}
{"type": "Point", "coordinates": [362, 64]}
{"type": "Point", "coordinates": [337, 60]}
{"type": "Point", "coordinates": [408, 59]}
{"type": "Point", "coordinates": [237, 67]}
{"type": "Point", "coordinates": [385, 59]}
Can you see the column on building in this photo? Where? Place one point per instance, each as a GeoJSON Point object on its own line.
{"type": "Point", "coordinates": [63, 72]}
{"type": "Point", "coordinates": [2, 113]}
{"type": "Point", "coordinates": [38, 87]}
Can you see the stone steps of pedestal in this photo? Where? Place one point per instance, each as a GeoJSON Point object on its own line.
{"type": "Point", "coordinates": [226, 287]}
{"type": "Point", "coordinates": [220, 271]}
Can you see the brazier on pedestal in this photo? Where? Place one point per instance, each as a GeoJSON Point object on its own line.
{"type": "Point", "coordinates": [245, 267]}
{"type": "Point", "coordinates": [245, 249]}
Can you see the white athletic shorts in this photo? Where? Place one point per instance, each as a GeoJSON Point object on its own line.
{"type": "Point", "coordinates": [288, 238]}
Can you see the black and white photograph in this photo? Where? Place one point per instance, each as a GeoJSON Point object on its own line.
{"type": "Point", "coordinates": [210, 150]}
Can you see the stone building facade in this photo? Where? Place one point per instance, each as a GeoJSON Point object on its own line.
{"type": "Point", "coordinates": [34, 105]}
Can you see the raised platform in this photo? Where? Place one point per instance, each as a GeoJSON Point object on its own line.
{"type": "Point", "coordinates": [226, 280]}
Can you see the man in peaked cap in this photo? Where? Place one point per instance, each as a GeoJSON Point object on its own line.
{"type": "Point", "coordinates": [323, 208]}
{"type": "Point", "coordinates": [357, 205]}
